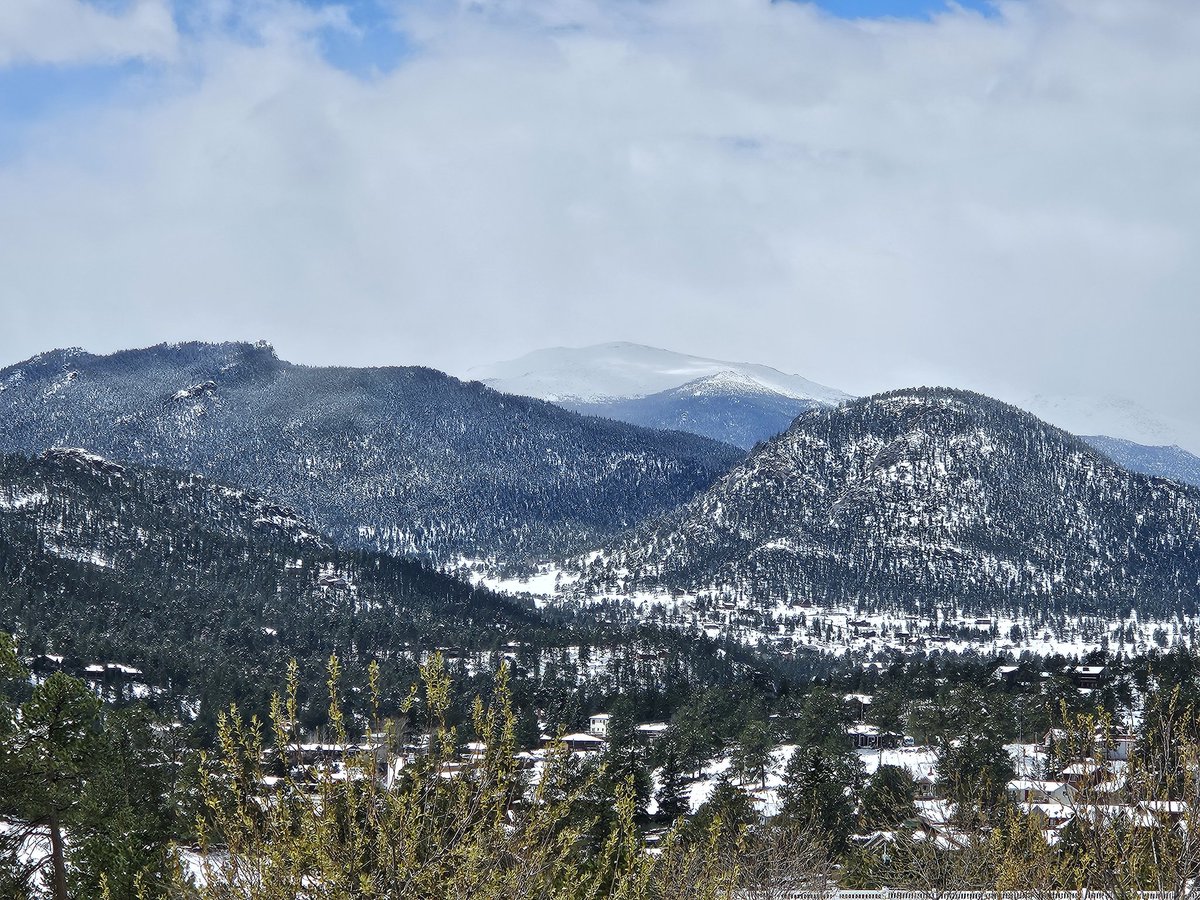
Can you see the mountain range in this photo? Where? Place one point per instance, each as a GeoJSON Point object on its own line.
{"type": "Point", "coordinates": [736, 403]}
{"type": "Point", "coordinates": [916, 499]}
{"type": "Point", "coordinates": [909, 499]}
{"type": "Point", "coordinates": [743, 404]}
{"type": "Point", "coordinates": [405, 460]}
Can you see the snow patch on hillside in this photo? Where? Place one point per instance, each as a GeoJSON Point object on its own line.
{"type": "Point", "coordinates": [20, 501]}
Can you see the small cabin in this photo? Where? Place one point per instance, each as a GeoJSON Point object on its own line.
{"type": "Point", "coordinates": [925, 783]}
{"type": "Point", "coordinates": [1083, 773]}
{"type": "Point", "coordinates": [581, 742]}
{"type": "Point", "coordinates": [1007, 675]}
{"type": "Point", "coordinates": [869, 737]}
{"type": "Point", "coordinates": [1087, 677]}
{"type": "Point", "coordinates": [1027, 790]}
{"type": "Point", "coordinates": [598, 724]}
{"type": "Point", "coordinates": [857, 705]}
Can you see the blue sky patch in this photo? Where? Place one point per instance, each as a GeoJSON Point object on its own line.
{"type": "Point", "coordinates": [901, 9]}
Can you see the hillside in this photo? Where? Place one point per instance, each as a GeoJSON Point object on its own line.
{"type": "Point", "coordinates": [207, 587]}
{"type": "Point", "coordinates": [196, 594]}
{"type": "Point", "coordinates": [406, 460]}
{"type": "Point", "coordinates": [917, 498]}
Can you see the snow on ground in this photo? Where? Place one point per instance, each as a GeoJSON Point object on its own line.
{"type": "Point", "coordinates": [1029, 760]}
{"type": "Point", "coordinates": [766, 799]}
{"type": "Point", "coordinates": [839, 630]}
{"type": "Point", "coordinates": [917, 761]}
{"type": "Point", "coordinates": [19, 501]}
{"type": "Point", "coordinates": [545, 582]}
{"type": "Point", "coordinates": [90, 557]}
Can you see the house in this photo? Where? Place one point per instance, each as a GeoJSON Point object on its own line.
{"type": "Point", "coordinates": [857, 705]}
{"type": "Point", "coordinates": [936, 823]}
{"type": "Point", "coordinates": [869, 737]}
{"type": "Point", "coordinates": [1007, 675]}
{"type": "Point", "coordinates": [1052, 739]}
{"type": "Point", "coordinates": [311, 754]}
{"type": "Point", "coordinates": [1032, 791]}
{"type": "Point", "coordinates": [650, 730]}
{"type": "Point", "coordinates": [1087, 677]}
{"type": "Point", "coordinates": [336, 761]}
{"type": "Point", "coordinates": [864, 629]}
{"type": "Point", "coordinates": [1049, 816]}
{"type": "Point", "coordinates": [581, 742]}
{"type": "Point", "coordinates": [1083, 773]}
{"type": "Point", "coordinates": [598, 724]}
{"type": "Point", "coordinates": [1162, 812]}
{"type": "Point", "coordinates": [864, 737]}
{"type": "Point", "coordinates": [1116, 746]}
{"type": "Point", "coordinates": [926, 784]}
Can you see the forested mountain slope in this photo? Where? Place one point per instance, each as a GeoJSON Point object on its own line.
{"type": "Point", "coordinates": [406, 460]}
{"type": "Point", "coordinates": [210, 591]}
{"type": "Point", "coordinates": [920, 497]}
{"type": "Point", "coordinates": [207, 587]}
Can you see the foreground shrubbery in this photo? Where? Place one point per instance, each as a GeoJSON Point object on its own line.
{"type": "Point", "coordinates": [414, 820]}
{"type": "Point", "coordinates": [483, 832]}
{"type": "Point", "coordinates": [487, 832]}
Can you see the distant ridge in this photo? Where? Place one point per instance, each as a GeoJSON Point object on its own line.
{"type": "Point", "coordinates": [736, 403]}
{"type": "Point", "coordinates": [622, 371]}
{"type": "Point", "coordinates": [404, 459]}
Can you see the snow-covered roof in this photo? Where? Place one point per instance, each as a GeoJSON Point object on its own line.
{"type": "Point", "coordinates": [1033, 784]}
{"type": "Point", "coordinates": [581, 737]}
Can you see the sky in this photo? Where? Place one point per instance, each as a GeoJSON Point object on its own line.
{"type": "Point", "coordinates": [870, 193]}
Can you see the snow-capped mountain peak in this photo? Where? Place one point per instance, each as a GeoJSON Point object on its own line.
{"type": "Point", "coordinates": [622, 370]}
{"type": "Point", "coordinates": [726, 382]}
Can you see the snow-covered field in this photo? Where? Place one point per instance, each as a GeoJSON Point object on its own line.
{"type": "Point", "coordinates": [842, 630]}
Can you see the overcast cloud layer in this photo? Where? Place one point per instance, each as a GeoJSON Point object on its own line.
{"type": "Point", "coordinates": [1006, 202]}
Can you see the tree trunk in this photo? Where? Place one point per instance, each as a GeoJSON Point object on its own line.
{"type": "Point", "coordinates": [59, 859]}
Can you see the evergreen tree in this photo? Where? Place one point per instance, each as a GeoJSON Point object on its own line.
{"type": "Point", "coordinates": [976, 767]}
{"type": "Point", "coordinates": [887, 798]}
{"type": "Point", "coordinates": [46, 763]}
{"type": "Point", "coordinates": [752, 753]}
{"type": "Point", "coordinates": [673, 793]}
{"type": "Point", "coordinates": [818, 791]}
{"type": "Point", "coordinates": [728, 803]}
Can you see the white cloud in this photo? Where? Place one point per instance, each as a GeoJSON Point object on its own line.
{"type": "Point", "coordinates": [73, 32]}
{"type": "Point", "coordinates": [1007, 202]}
